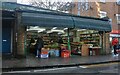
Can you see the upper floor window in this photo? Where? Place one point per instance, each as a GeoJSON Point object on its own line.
{"type": "Point", "coordinates": [118, 2]}
{"type": "Point", "coordinates": [84, 5]}
{"type": "Point", "coordinates": [118, 18]}
{"type": "Point", "coordinates": [103, 14]}
{"type": "Point", "coordinates": [103, 1]}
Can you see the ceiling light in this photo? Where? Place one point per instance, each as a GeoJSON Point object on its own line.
{"type": "Point", "coordinates": [54, 28]}
{"type": "Point", "coordinates": [65, 28]}
{"type": "Point", "coordinates": [81, 29]}
{"type": "Point", "coordinates": [61, 31]}
{"type": "Point", "coordinates": [36, 27]}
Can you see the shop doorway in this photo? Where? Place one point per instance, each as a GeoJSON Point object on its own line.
{"type": "Point", "coordinates": [6, 38]}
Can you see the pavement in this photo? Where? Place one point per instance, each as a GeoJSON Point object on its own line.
{"type": "Point", "coordinates": [10, 63]}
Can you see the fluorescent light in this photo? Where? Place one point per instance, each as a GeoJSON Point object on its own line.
{"type": "Point", "coordinates": [36, 29]}
{"type": "Point", "coordinates": [65, 28]}
{"type": "Point", "coordinates": [49, 31]}
{"type": "Point", "coordinates": [54, 28]}
{"type": "Point", "coordinates": [81, 29]}
{"type": "Point", "coordinates": [40, 31]}
{"type": "Point", "coordinates": [27, 29]}
{"type": "Point", "coordinates": [61, 31]}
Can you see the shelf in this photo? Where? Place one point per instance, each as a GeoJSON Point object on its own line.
{"type": "Point", "coordinates": [88, 33]}
{"type": "Point", "coordinates": [88, 36]}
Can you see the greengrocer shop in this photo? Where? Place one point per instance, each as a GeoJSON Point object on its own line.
{"type": "Point", "coordinates": [80, 35]}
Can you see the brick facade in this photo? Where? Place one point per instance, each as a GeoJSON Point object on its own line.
{"type": "Point", "coordinates": [112, 8]}
{"type": "Point", "coordinates": [94, 8]}
{"type": "Point", "coordinates": [21, 41]}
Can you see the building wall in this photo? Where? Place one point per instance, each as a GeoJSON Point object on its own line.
{"type": "Point", "coordinates": [111, 9]}
{"type": "Point", "coordinates": [93, 11]}
{"type": "Point", "coordinates": [90, 12]}
{"type": "Point", "coordinates": [94, 7]}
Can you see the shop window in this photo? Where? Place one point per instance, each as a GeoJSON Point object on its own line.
{"type": "Point", "coordinates": [118, 18]}
{"type": "Point", "coordinates": [103, 14]}
{"type": "Point", "coordinates": [103, 1]}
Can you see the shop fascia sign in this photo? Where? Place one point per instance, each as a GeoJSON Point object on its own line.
{"type": "Point", "coordinates": [115, 35]}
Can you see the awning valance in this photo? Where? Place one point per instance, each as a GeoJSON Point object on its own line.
{"type": "Point", "coordinates": [46, 20]}
{"type": "Point", "coordinates": [93, 24]}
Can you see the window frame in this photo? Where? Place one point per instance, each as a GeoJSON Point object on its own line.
{"type": "Point", "coordinates": [102, 12]}
{"type": "Point", "coordinates": [118, 19]}
{"type": "Point", "coordinates": [103, 1]}
{"type": "Point", "coordinates": [118, 2]}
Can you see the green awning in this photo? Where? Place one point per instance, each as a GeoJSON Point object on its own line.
{"type": "Point", "coordinates": [46, 20]}
{"type": "Point", "coordinates": [34, 16]}
{"type": "Point", "coordinates": [92, 24]}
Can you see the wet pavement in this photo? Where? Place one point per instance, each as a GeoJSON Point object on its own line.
{"type": "Point", "coordinates": [95, 69]}
{"type": "Point", "coordinates": [33, 62]}
{"type": "Point", "coordinates": [112, 68]}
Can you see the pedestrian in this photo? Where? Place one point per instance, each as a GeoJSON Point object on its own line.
{"type": "Point", "coordinates": [31, 46]}
{"type": "Point", "coordinates": [39, 45]}
{"type": "Point", "coordinates": [114, 44]}
{"type": "Point", "coordinates": [60, 41]}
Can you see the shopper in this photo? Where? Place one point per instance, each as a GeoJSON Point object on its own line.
{"type": "Point", "coordinates": [39, 45]}
{"type": "Point", "coordinates": [114, 44]}
{"type": "Point", "coordinates": [60, 41]}
{"type": "Point", "coordinates": [31, 46]}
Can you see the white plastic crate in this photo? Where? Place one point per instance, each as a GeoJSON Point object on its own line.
{"type": "Point", "coordinates": [44, 55]}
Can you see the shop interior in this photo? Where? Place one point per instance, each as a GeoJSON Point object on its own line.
{"type": "Point", "coordinates": [56, 38]}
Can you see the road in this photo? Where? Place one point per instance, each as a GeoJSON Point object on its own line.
{"type": "Point", "coordinates": [85, 69]}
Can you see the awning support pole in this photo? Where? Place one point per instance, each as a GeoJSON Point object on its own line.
{"type": "Point", "coordinates": [68, 36]}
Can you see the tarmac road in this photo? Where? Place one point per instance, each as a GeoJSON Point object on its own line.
{"type": "Point", "coordinates": [110, 68]}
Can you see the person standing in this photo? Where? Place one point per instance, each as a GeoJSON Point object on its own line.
{"type": "Point", "coordinates": [114, 44]}
{"type": "Point", "coordinates": [30, 46]}
{"type": "Point", "coordinates": [39, 45]}
{"type": "Point", "coordinates": [60, 41]}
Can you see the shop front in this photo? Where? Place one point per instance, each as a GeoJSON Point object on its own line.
{"type": "Point", "coordinates": [80, 35]}
{"type": "Point", "coordinates": [63, 34]}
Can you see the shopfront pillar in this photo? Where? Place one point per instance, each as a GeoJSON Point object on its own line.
{"type": "Point", "coordinates": [20, 37]}
{"type": "Point", "coordinates": [101, 42]}
{"type": "Point", "coordinates": [108, 49]}
{"type": "Point", "coordinates": [21, 41]}
{"type": "Point", "coordinates": [14, 42]}
{"type": "Point", "coordinates": [104, 43]}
